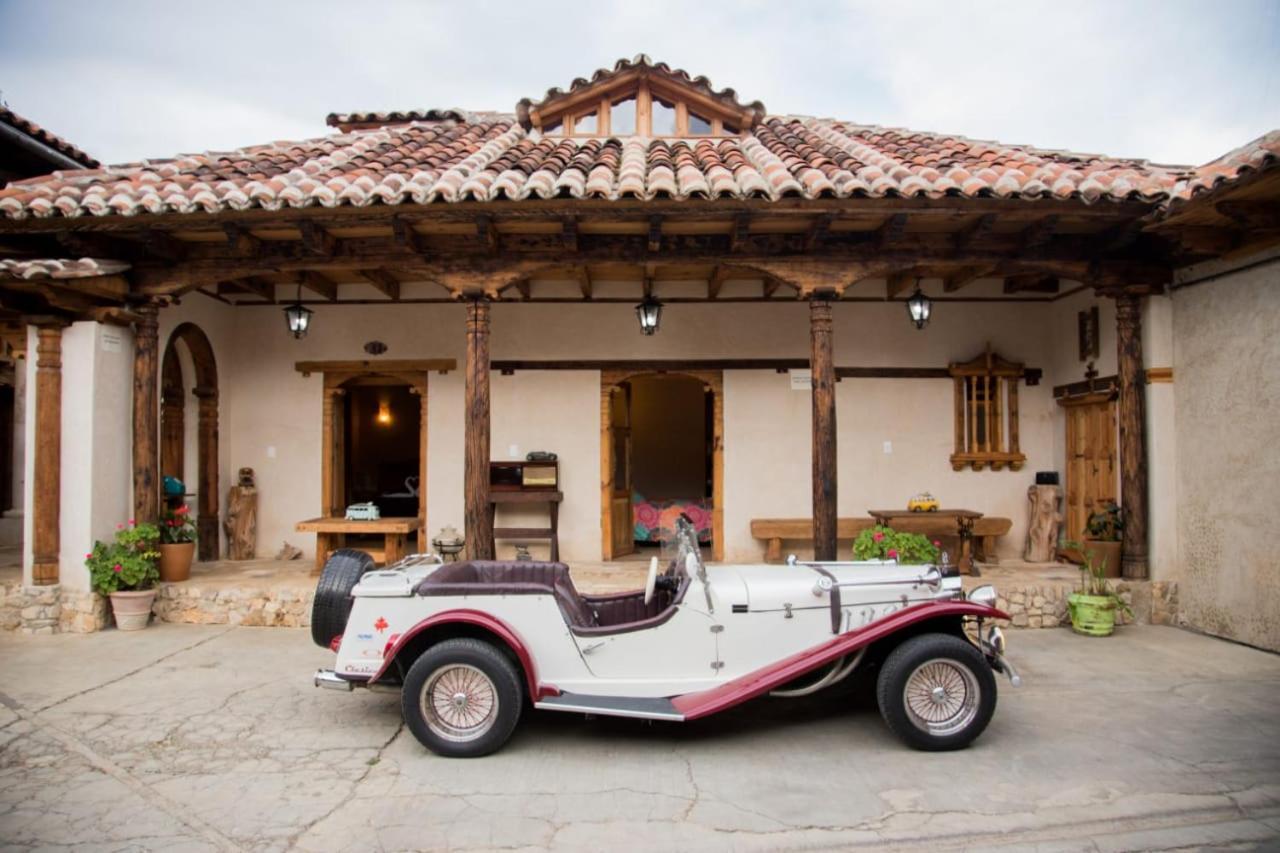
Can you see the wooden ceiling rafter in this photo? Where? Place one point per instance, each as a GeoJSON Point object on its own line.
{"type": "Point", "coordinates": [584, 282]}
{"type": "Point", "coordinates": [487, 233]}
{"type": "Point", "coordinates": [655, 233]}
{"type": "Point", "coordinates": [1031, 284]}
{"type": "Point", "coordinates": [316, 240]}
{"type": "Point", "coordinates": [740, 232]}
{"type": "Point", "coordinates": [719, 275]}
{"type": "Point", "coordinates": [959, 278]}
{"type": "Point", "coordinates": [899, 282]}
{"type": "Point", "coordinates": [817, 231]}
{"type": "Point", "coordinates": [240, 240]}
{"type": "Point", "coordinates": [386, 283]}
{"type": "Point", "coordinates": [891, 230]}
{"type": "Point", "coordinates": [320, 284]}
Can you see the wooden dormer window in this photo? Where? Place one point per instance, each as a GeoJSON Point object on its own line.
{"type": "Point", "coordinates": [986, 413]}
{"type": "Point", "coordinates": [640, 99]}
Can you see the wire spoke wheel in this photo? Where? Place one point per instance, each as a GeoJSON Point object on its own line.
{"type": "Point", "coordinates": [941, 696]}
{"type": "Point", "coordinates": [459, 702]}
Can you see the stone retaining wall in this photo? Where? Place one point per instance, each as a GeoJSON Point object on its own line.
{"type": "Point", "coordinates": [1045, 605]}
{"type": "Point", "coordinates": [288, 607]}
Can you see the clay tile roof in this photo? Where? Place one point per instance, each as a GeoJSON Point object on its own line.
{"type": "Point", "coordinates": [60, 268]}
{"type": "Point", "coordinates": [447, 156]}
{"type": "Point", "coordinates": [38, 133]}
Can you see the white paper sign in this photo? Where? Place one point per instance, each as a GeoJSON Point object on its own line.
{"type": "Point", "coordinates": [801, 380]}
{"type": "Point", "coordinates": [111, 340]}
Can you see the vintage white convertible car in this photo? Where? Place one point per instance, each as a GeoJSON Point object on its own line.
{"type": "Point", "coordinates": [470, 644]}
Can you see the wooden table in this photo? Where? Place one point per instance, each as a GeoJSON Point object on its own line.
{"type": "Point", "coordinates": [964, 519]}
{"type": "Point", "coordinates": [331, 534]}
{"type": "Point", "coordinates": [531, 496]}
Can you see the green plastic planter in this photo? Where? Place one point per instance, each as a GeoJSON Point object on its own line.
{"type": "Point", "coordinates": [1092, 615]}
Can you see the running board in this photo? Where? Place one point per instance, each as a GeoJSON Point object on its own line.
{"type": "Point", "coordinates": [612, 706]}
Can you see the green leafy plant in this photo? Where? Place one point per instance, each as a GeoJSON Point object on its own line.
{"type": "Point", "coordinates": [1093, 580]}
{"type": "Point", "coordinates": [176, 526]}
{"type": "Point", "coordinates": [128, 563]}
{"type": "Point", "coordinates": [885, 543]}
{"type": "Point", "coordinates": [1106, 524]}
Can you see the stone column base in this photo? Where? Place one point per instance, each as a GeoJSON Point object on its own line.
{"type": "Point", "coordinates": [83, 612]}
{"type": "Point", "coordinates": [41, 609]}
{"type": "Point", "coordinates": [51, 610]}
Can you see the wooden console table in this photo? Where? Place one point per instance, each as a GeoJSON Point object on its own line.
{"type": "Point", "coordinates": [331, 534]}
{"type": "Point", "coordinates": [964, 519]}
{"type": "Point", "coordinates": [531, 496]}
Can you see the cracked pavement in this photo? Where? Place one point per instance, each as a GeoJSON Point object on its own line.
{"type": "Point", "coordinates": [212, 738]}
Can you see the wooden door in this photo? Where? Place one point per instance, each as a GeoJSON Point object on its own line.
{"type": "Point", "coordinates": [621, 518]}
{"type": "Point", "coordinates": [1091, 458]}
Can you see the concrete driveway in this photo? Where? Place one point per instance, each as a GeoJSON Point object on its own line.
{"type": "Point", "coordinates": [189, 738]}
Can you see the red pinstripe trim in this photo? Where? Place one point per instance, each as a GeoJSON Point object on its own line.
{"type": "Point", "coordinates": [753, 684]}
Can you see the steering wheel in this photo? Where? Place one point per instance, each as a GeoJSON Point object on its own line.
{"type": "Point", "coordinates": [651, 582]}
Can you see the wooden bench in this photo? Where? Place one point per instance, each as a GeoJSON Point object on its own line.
{"type": "Point", "coordinates": [331, 535]}
{"type": "Point", "coordinates": [777, 530]}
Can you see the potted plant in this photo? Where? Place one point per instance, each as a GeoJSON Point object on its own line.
{"type": "Point", "coordinates": [1102, 538]}
{"type": "Point", "coordinates": [1093, 608]}
{"type": "Point", "coordinates": [885, 543]}
{"type": "Point", "coordinates": [177, 544]}
{"type": "Point", "coordinates": [125, 570]}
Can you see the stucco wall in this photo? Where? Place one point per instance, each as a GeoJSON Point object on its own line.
{"type": "Point", "coordinates": [1226, 336]}
{"type": "Point", "coordinates": [270, 414]}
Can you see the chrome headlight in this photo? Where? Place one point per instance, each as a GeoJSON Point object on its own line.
{"type": "Point", "coordinates": [984, 595]}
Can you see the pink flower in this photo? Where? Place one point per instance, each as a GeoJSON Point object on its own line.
{"type": "Point", "coordinates": [88, 556]}
{"type": "Point", "coordinates": [119, 527]}
{"type": "Point", "coordinates": [877, 537]}
{"type": "Point", "coordinates": [117, 568]}
{"type": "Point", "coordinates": [132, 522]}
{"type": "Point", "coordinates": [893, 554]}
{"type": "Point", "coordinates": [937, 543]}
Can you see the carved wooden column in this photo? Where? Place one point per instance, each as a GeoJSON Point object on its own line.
{"type": "Point", "coordinates": [423, 538]}
{"type": "Point", "coordinates": [146, 456]}
{"type": "Point", "coordinates": [332, 474]}
{"type": "Point", "coordinates": [822, 366]}
{"type": "Point", "coordinates": [207, 443]}
{"type": "Point", "coordinates": [478, 515]}
{"type": "Point", "coordinates": [1133, 439]}
{"type": "Point", "coordinates": [172, 420]}
{"type": "Point", "coordinates": [47, 486]}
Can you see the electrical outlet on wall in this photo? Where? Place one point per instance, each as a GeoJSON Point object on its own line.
{"type": "Point", "coordinates": [888, 447]}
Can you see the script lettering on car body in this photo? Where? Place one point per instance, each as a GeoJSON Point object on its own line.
{"type": "Point", "coordinates": [860, 617]}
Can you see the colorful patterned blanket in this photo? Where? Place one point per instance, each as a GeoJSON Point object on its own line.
{"type": "Point", "coordinates": [655, 520]}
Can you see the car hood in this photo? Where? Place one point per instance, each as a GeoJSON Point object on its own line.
{"type": "Point", "coordinates": [773, 587]}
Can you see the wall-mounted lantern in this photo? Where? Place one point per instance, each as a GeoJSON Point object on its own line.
{"type": "Point", "coordinates": [649, 313]}
{"type": "Point", "coordinates": [298, 316]}
{"type": "Point", "coordinates": [919, 307]}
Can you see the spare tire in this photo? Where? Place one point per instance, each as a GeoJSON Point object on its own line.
{"type": "Point", "coordinates": [332, 605]}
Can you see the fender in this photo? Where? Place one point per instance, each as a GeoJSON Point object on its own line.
{"type": "Point", "coordinates": [753, 684]}
{"type": "Point", "coordinates": [483, 620]}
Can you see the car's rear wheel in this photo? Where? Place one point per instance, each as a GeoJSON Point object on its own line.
{"type": "Point", "coordinates": [936, 692]}
{"type": "Point", "coordinates": [462, 698]}
{"type": "Point", "coordinates": [332, 605]}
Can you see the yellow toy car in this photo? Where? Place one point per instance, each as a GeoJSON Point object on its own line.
{"type": "Point", "coordinates": [923, 502]}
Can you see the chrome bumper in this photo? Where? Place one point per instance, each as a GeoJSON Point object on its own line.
{"type": "Point", "coordinates": [993, 647]}
{"type": "Point", "coordinates": [328, 678]}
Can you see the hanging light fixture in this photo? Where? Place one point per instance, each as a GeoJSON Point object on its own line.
{"type": "Point", "coordinates": [649, 313]}
{"type": "Point", "coordinates": [919, 307]}
{"type": "Point", "coordinates": [298, 316]}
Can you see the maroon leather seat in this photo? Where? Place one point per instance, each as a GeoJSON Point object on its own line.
{"type": "Point", "coordinates": [585, 616]}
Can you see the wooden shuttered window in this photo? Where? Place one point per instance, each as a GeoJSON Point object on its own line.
{"type": "Point", "coordinates": [986, 413]}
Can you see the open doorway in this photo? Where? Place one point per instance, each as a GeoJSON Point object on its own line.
{"type": "Point", "coordinates": [383, 426]}
{"type": "Point", "coordinates": [662, 459]}
{"type": "Point", "coordinates": [189, 372]}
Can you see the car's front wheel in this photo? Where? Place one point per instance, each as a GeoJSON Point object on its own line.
{"type": "Point", "coordinates": [936, 692]}
{"type": "Point", "coordinates": [462, 698]}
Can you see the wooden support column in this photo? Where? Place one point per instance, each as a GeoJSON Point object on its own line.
{"type": "Point", "coordinates": [822, 365]}
{"type": "Point", "coordinates": [47, 486]}
{"type": "Point", "coordinates": [423, 537]}
{"type": "Point", "coordinates": [207, 484]}
{"type": "Point", "coordinates": [146, 454]}
{"type": "Point", "coordinates": [478, 515]}
{"type": "Point", "coordinates": [1133, 439]}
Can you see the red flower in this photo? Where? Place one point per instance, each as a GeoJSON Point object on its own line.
{"type": "Point", "coordinates": [937, 543]}
{"type": "Point", "coordinates": [893, 554]}
{"type": "Point", "coordinates": [182, 510]}
{"type": "Point", "coordinates": [132, 522]}
{"type": "Point", "coordinates": [88, 556]}
{"type": "Point", "coordinates": [877, 537]}
{"type": "Point", "coordinates": [119, 527]}
{"type": "Point", "coordinates": [117, 568]}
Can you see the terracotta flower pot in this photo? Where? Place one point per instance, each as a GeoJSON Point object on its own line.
{"type": "Point", "coordinates": [175, 561]}
{"type": "Point", "coordinates": [1102, 549]}
{"type": "Point", "coordinates": [132, 609]}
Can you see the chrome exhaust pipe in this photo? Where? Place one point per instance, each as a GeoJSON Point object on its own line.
{"type": "Point", "coordinates": [328, 678]}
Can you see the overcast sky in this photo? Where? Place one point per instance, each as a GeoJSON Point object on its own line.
{"type": "Point", "coordinates": [1173, 81]}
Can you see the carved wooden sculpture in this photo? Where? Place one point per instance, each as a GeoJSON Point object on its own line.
{"type": "Point", "coordinates": [242, 518]}
{"type": "Point", "coordinates": [1045, 521]}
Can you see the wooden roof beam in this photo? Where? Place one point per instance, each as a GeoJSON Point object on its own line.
{"type": "Point", "coordinates": [897, 283]}
{"type": "Point", "coordinates": [719, 275]}
{"type": "Point", "coordinates": [818, 230]}
{"type": "Point", "coordinates": [252, 284]}
{"type": "Point", "coordinates": [1038, 233]}
{"type": "Point", "coordinates": [406, 237]}
{"type": "Point", "coordinates": [569, 233]}
{"type": "Point", "coordinates": [769, 287]}
{"type": "Point", "coordinates": [1251, 215]}
{"type": "Point", "coordinates": [384, 281]}
{"type": "Point", "coordinates": [891, 230]}
{"type": "Point", "coordinates": [161, 244]}
{"type": "Point", "coordinates": [975, 231]}
{"type": "Point", "coordinates": [317, 283]}
{"type": "Point", "coordinates": [584, 281]}
{"type": "Point", "coordinates": [241, 241]}
{"type": "Point", "coordinates": [740, 232]}
{"type": "Point", "coordinates": [649, 270]}
{"type": "Point", "coordinates": [487, 232]}
{"type": "Point", "coordinates": [963, 277]}
{"type": "Point", "coordinates": [655, 233]}
{"type": "Point", "coordinates": [316, 240]}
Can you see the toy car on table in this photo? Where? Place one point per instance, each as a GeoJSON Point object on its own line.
{"type": "Point", "coordinates": [470, 644]}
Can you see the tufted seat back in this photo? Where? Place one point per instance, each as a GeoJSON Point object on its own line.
{"type": "Point", "coordinates": [518, 577]}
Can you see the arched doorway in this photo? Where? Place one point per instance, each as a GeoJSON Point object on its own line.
{"type": "Point", "coordinates": [204, 387]}
{"type": "Point", "coordinates": [616, 443]}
